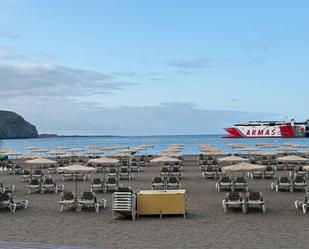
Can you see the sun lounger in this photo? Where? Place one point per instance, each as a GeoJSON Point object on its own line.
{"type": "Point", "coordinates": [96, 185]}
{"type": "Point", "coordinates": [67, 177]}
{"type": "Point", "coordinates": [280, 166]}
{"type": "Point", "coordinates": [233, 200]}
{"type": "Point", "coordinates": [26, 175]}
{"type": "Point", "coordinates": [165, 171]}
{"type": "Point", "coordinates": [158, 183]}
{"type": "Point", "coordinates": [210, 172]}
{"type": "Point", "coordinates": [17, 169]}
{"type": "Point", "coordinates": [284, 183]}
{"type": "Point", "coordinates": [112, 171]}
{"type": "Point", "coordinates": [34, 186]}
{"type": "Point", "coordinates": [124, 203]}
{"type": "Point", "coordinates": [299, 183]}
{"type": "Point", "coordinates": [37, 174]}
{"type": "Point", "coordinates": [240, 183]}
{"type": "Point", "coordinates": [50, 186]}
{"type": "Point", "coordinates": [225, 183]}
{"type": "Point", "coordinates": [172, 183]}
{"type": "Point", "coordinates": [89, 200]}
{"type": "Point", "coordinates": [6, 189]}
{"type": "Point", "coordinates": [110, 184]}
{"type": "Point", "coordinates": [269, 172]}
{"type": "Point", "coordinates": [175, 171]}
{"type": "Point", "coordinates": [135, 167]}
{"type": "Point", "coordinates": [6, 201]}
{"type": "Point", "coordinates": [254, 200]}
{"type": "Point", "coordinates": [125, 173]}
{"type": "Point", "coordinates": [303, 205]}
{"type": "Point", "coordinates": [67, 199]}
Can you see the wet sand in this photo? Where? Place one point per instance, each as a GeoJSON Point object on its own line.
{"type": "Point", "coordinates": [206, 226]}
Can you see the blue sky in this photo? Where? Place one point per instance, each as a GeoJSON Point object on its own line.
{"type": "Point", "coordinates": [67, 65]}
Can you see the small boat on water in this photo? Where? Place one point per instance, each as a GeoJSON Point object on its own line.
{"type": "Point", "coordinates": [269, 129]}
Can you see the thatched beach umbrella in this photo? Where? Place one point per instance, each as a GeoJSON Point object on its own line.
{"type": "Point", "coordinates": [76, 169]}
{"type": "Point", "coordinates": [104, 161]}
{"type": "Point", "coordinates": [94, 152]}
{"type": "Point", "coordinates": [287, 148]}
{"type": "Point", "coordinates": [292, 159]}
{"type": "Point", "coordinates": [40, 162]}
{"type": "Point", "coordinates": [232, 159]}
{"type": "Point", "coordinates": [62, 148]}
{"type": "Point", "coordinates": [119, 155]}
{"type": "Point", "coordinates": [164, 159]}
{"type": "Point", "coordinates": [243, 167]}
{"type": "Point", "coordinates": [39, 150]}
{"type": "Point", "coordinates": [32, 148]}
{"type": "Point", "coordinates": [30, 156]}
{"type": "Point", "coordinates": [55, 152]}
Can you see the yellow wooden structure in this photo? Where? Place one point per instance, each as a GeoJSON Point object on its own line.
{"type": "Point", "coordinates": [160, 202]}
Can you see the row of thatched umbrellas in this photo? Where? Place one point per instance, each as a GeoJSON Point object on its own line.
{"type": "Point", "coordinates": [240, 164]}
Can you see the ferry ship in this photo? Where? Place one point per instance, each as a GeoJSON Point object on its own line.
{"type": "Point", "coordinates": [269, 129]}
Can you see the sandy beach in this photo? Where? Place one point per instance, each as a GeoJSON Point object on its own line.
{"type": "Point", "coordinates": [206, 225]}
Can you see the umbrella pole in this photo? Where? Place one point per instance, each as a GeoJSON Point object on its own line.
{"type": "Point", "coordinates": [75, 188]}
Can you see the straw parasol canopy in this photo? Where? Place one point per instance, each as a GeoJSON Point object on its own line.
{"type": "Point", "coordinates": [287, 148]}
{"type": "Point", "coordinates": [119, 155]}
{"type": "Point", "coordinates": [94, 152]}
{"type": "Point", "coordinates": [292, 159]}
{"type": "Point", "coordinates": [104, 161]}
{"type": "Point", "coordinates": [56, 152]}
{"type": "Point", "coordinates": [75, 169]}
{"type": "Point", "coordinates": [170, 154]}
{"type": "Point", "coordinates": [232, 159]}
{"type": "Point", "coordinates": [217, 154]}
{"type": "Point", "coordinates": [40, 150]}
{"type": "Point", "coordinates": [41, 161]}
{"type": "Point", "coordinates": [236, 146]}
{"type": "Point", "coordinates": [62, 148]}
{"type": "Point", "coordinates": [75, 150]}
{"type": "Point", "coordinates": [164, 159]}
{"type": "Point", "coordinates": [94, 147]}
{"type": "Point", "coordinates": [243, 167]}
{"type": "Point", "coordinates": [249, 149]}
{"type": "Point", "coordinates": [266, 146]}
{"type": "Point", "coordinates": [30, 156]}
{"type": "Point", "coordinates": [32, 148]}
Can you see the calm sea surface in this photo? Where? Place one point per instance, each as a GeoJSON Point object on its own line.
{"type": "Point", "coordinates": [159, 142]}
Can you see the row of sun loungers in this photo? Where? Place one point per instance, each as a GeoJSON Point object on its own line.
{"type": "Point", "coordinates": [244, 201]}
{"type": "Point", "coordinates": [88, 200]}
{"type": "Point", "coordinates": [171, 182]}
{"type": "Point", "coordinates": [290, 184]}
{"type": "Point", "coordinates": [171, 171]}
{"type": "Point", "coordinates": [7, 202]}
{"type": "Point", "coordinates": [228, 184]}
{"type": "Point", "coordinates": [48, 185]}
{"type": "Point", "coordinates": [110, 184]}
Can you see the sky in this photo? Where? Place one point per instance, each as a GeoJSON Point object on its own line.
{"type": "Point", "coordinates": [133, 67]}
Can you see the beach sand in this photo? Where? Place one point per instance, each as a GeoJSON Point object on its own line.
{"type": "Point", "coordinates": [206, 226]}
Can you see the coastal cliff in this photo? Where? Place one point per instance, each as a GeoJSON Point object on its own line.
{"type": "Point", "coordinates": [13, 125]}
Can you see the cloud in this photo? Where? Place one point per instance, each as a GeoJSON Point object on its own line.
{"type": "Point", "coordinates": [90, 118]}
{"type": "Point", "coordinates": [55, 81]}
{"type": "Point", "coordinates": [5, 33]}
{"type": "Point", "coordinates": [194, 63]}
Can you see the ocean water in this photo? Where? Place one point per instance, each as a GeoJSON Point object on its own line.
{"type": "Point", "coordinates": [159, 143]}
